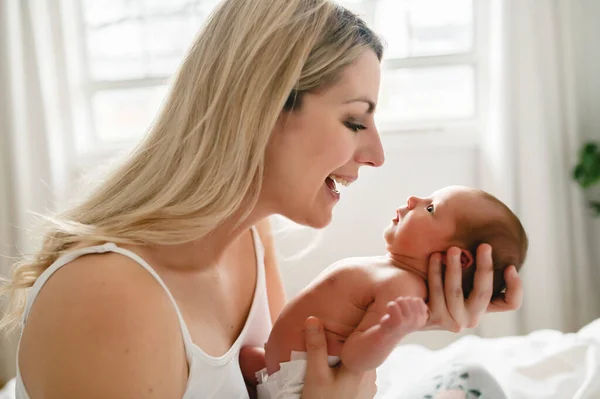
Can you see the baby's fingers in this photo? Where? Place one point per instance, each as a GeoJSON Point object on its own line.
{"type": "Point", "coordinates": [412, 308]}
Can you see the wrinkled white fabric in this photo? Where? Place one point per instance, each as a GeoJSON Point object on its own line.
{"type": "Point", "coordinates": [287, 383]}
{"type": "Point", "coordinates": [545, 364]}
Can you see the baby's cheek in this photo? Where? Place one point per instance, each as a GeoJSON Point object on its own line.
{"type": "Point", "coordinates": [413, 246]}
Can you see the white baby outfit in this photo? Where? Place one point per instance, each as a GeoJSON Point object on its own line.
{"type": "Point", "coordinates": [287, 383]}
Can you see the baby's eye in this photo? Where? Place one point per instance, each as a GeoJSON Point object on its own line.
{"type": "Point", "coordinates": [430, 209]}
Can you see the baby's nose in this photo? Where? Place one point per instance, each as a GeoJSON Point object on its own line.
{"type": "Point", "coordinates": [412, 202]}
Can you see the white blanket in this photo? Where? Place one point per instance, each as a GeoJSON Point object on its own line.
{"type": "Point", "coordinates": [542, 365]}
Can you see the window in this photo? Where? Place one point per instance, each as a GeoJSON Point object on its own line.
{"type": "Point", "coordinates": [126, 50]}
{"type": "Point", "coordinates": [430, 67]}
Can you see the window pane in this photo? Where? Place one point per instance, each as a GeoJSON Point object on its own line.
{"type": "Point", "coordinates": [127, 113]}
{"type": "Point", "coordinates": [417, 94]}
{"type": "Point", "coordinates": [140, 39]}
{"type": "Point", "coordinates": [115, 51]}
{"type": "Point", "coordinates": [425, 27]}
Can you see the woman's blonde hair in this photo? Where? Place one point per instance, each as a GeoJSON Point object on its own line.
{"type": "Point", "coordinates": [203, 157]}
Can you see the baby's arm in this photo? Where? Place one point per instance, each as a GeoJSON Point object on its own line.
{"type": "Point", "coordinates": [387, 320]}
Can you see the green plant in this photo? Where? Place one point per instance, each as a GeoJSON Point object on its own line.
{"type": "Point", "coordinates": [587, 171]}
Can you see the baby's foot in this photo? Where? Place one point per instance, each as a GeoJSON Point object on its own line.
{"type": "Point", "coordinates": [404, 315]}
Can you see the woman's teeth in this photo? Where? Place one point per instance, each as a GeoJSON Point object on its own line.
{"type": "Point", "coordinates": [332, 180]}
{"type": "Point", "coordinates": [331, 185]}
{"type": "Point", "coordinates": [339, 180]}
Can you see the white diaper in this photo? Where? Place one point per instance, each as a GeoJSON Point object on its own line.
{"type": "Point", "coordinates": [287, 383]}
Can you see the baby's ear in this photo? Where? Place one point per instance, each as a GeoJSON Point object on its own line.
{"type": "Point", "coordinates": [466, 258]}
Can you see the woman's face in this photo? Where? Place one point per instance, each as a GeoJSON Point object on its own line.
{"type": "Point", "coordinates": [331, 135]}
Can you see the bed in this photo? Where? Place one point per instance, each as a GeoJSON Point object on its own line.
{"type": "Point", "coordinates": [545, 364]}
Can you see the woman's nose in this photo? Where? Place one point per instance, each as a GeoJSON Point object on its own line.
{"type": "Point", "coordinates": [371, 151]}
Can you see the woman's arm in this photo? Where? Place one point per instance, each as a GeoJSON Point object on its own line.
{"type": "Point", "coordinates": [275, 290]}
{"type": "Point", "coordinates": [447, 306]}
{"type": "Point", "coordinates": [103, 328]}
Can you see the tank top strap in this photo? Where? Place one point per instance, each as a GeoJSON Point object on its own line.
{"type": "Point", "coordinates": [259, 250]}
{"type": "Point", "coordinates": [99, 249]}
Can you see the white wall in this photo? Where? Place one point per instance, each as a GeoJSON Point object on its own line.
{"type": "Point", "coordinates": [586, 38]}
{"type": "Point", "coordinates": [414, 165]}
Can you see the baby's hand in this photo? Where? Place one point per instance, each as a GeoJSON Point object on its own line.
{"type": "Point", "coordinates": [404, 315]}
{"type": "Point", "coordinates": [366, 349]}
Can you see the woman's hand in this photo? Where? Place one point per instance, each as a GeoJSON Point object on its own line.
{"type": "Point", "coordinates": [324, 382]}
{"type": "Point", "coordinates": [447, 307]}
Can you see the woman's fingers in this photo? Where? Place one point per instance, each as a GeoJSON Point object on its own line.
{"type": "Point", "coordinates": [436, 299]}
{"type": "Point", "coordinates": [438, 308]}
{"type": "Point", "coordinates": [513, 297]}
{"type": "Point", "coordinates": [483, 286]}
{"type": "Point", "coordinates": [447, 307]}
{"type": "Point", "coordinates": [453, 287]}
{"type": "Point", "coordinates": [321, 381]}
{"type": "Point", "coordinates": [371, 381]}
{"type": "Point", "coordinates": [318, 372]}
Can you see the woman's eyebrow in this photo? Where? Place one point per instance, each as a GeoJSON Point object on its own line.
{"type": "Point", "coordinates": [370, 103]}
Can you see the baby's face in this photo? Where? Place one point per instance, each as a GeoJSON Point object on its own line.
{"type": "Point", "coordinates": [427, 225]}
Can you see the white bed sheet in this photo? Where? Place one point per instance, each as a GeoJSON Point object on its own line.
{"type": "Point", "coordinates": [542, 365]}
{"type": "Point", "coordinates": [545, 364]}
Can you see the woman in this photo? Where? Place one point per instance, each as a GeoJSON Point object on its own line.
{"type": "Point", "coordinates": [273, 102]}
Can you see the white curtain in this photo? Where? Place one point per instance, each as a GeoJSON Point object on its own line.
{"type": "Point", "coordinates": [31, 157]}
{"type": "Point", "coordinates": [528, 152]}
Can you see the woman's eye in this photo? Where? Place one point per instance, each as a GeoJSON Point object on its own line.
{"type": "Point", "coordinates": [355, 127]}
{"type": "Point", "coordinates": [430, 208]}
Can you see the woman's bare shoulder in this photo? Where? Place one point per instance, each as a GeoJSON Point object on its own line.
{"type": "Point", "coordinates": [106, 321]}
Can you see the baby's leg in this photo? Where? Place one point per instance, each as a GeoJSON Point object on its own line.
{"type": "Point", "coordinates": [366, 350]}
{"type": "Point", "coordinates": [252, 360]}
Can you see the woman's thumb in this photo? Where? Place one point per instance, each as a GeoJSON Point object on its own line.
{"type": "Point", "coordinates": [316, 350]}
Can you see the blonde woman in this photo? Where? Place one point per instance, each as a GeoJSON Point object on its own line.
{"type": "Point", "coordinates": [151, 286]}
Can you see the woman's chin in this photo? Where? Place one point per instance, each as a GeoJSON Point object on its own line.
{"type": "Point", "coordinates": [315, 221]}
{"type": "Point", "coordinates": [316, 213]}
{"type": "Point", "coordinates": [321, 223]}
{"type": "Point", "coordinates": [312, 218]}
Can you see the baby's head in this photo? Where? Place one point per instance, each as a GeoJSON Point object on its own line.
{"type": "Point", "coordinates": [462, 217]}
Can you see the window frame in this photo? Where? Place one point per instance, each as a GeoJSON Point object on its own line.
{"type": "Point", "coordinates": [91, 149]}
{"type": "Point", "coordinates": [459, 128]}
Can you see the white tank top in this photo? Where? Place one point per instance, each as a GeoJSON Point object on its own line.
{"type": "Point", "coordinates": [209, 377]}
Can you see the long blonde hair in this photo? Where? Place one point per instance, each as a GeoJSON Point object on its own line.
{"type": "Point", "coordinates": [202, 159]}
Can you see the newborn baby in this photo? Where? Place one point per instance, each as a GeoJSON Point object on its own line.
{"type": "Point", "coordinates": [367, 305]}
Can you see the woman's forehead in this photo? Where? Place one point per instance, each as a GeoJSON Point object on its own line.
{"type": "Point", "coordinates": [360, 79]}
